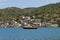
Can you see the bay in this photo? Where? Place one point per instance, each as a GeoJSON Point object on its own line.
{"type": "Point", "coordinates": [29, 34]}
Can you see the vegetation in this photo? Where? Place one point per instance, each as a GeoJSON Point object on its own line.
{"type": "Point", "coordinates": [51, 11]}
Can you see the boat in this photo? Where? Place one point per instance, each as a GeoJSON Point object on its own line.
{"type": "Point", "coordinates": [29, 27]}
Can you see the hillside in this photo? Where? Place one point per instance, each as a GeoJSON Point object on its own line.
{"type": "Point", "coordinates": [51, 11]}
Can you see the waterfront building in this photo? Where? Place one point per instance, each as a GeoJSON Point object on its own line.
{"type": "Point", "coordinates": [27, 18]}
{"type": "Point", "coordinates": [37, 22]}
{"type": "Point", "coordinates": [43, 24]}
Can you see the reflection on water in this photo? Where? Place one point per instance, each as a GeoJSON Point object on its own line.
{"type": "Point", "coordinates": [29, 34]}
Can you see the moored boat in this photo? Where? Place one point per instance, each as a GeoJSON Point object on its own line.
{"type": "Point", "coordinates": [29, 27]}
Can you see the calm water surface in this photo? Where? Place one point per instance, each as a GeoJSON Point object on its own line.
{"type": "Point", "coordinates": [29, 34]}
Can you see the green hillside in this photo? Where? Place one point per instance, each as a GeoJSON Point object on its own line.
{"type": "Point", "coordinates": [51, 11]}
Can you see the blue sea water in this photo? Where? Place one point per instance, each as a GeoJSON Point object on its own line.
{"type": "Point", "coordinates": [29, 34]}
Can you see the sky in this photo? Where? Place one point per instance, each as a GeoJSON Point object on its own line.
{"type": "Point", "coordinates": [25, 3]}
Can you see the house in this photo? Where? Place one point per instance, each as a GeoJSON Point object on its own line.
{"type": "Point", "coordinates": [43, 24]}
{"type": "Point", "coordinates": [27, 18]}
{"type": "Point", "coordinates": [21, 17]}
{"type": "Point", "coordinates": [37, 22]}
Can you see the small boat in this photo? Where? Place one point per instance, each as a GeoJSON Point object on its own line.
{"type": "Point", "coordinates": [30, 28]}
{"type": "Point", "coordinates": [27, 27]}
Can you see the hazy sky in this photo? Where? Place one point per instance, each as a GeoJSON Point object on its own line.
{"type": "Point", "coordinates": [25, 3]}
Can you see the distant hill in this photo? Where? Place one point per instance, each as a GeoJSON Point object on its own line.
{"type": "Point", "coordinates": [50, 11]}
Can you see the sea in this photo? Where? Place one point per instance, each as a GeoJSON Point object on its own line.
{"type": "Point", "coordinates": [29, 34]}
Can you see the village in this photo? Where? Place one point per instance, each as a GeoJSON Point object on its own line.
{"type": "Point", "coordinates": [27, 21]}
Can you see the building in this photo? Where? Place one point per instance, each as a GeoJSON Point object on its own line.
{"type": "Point", "coordinates": [27, 18]}
{"type": "Point", "coordinates": [37, 22]}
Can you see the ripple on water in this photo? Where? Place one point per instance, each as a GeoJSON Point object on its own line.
{"type": "Point", "coordinates": [30, 34]}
